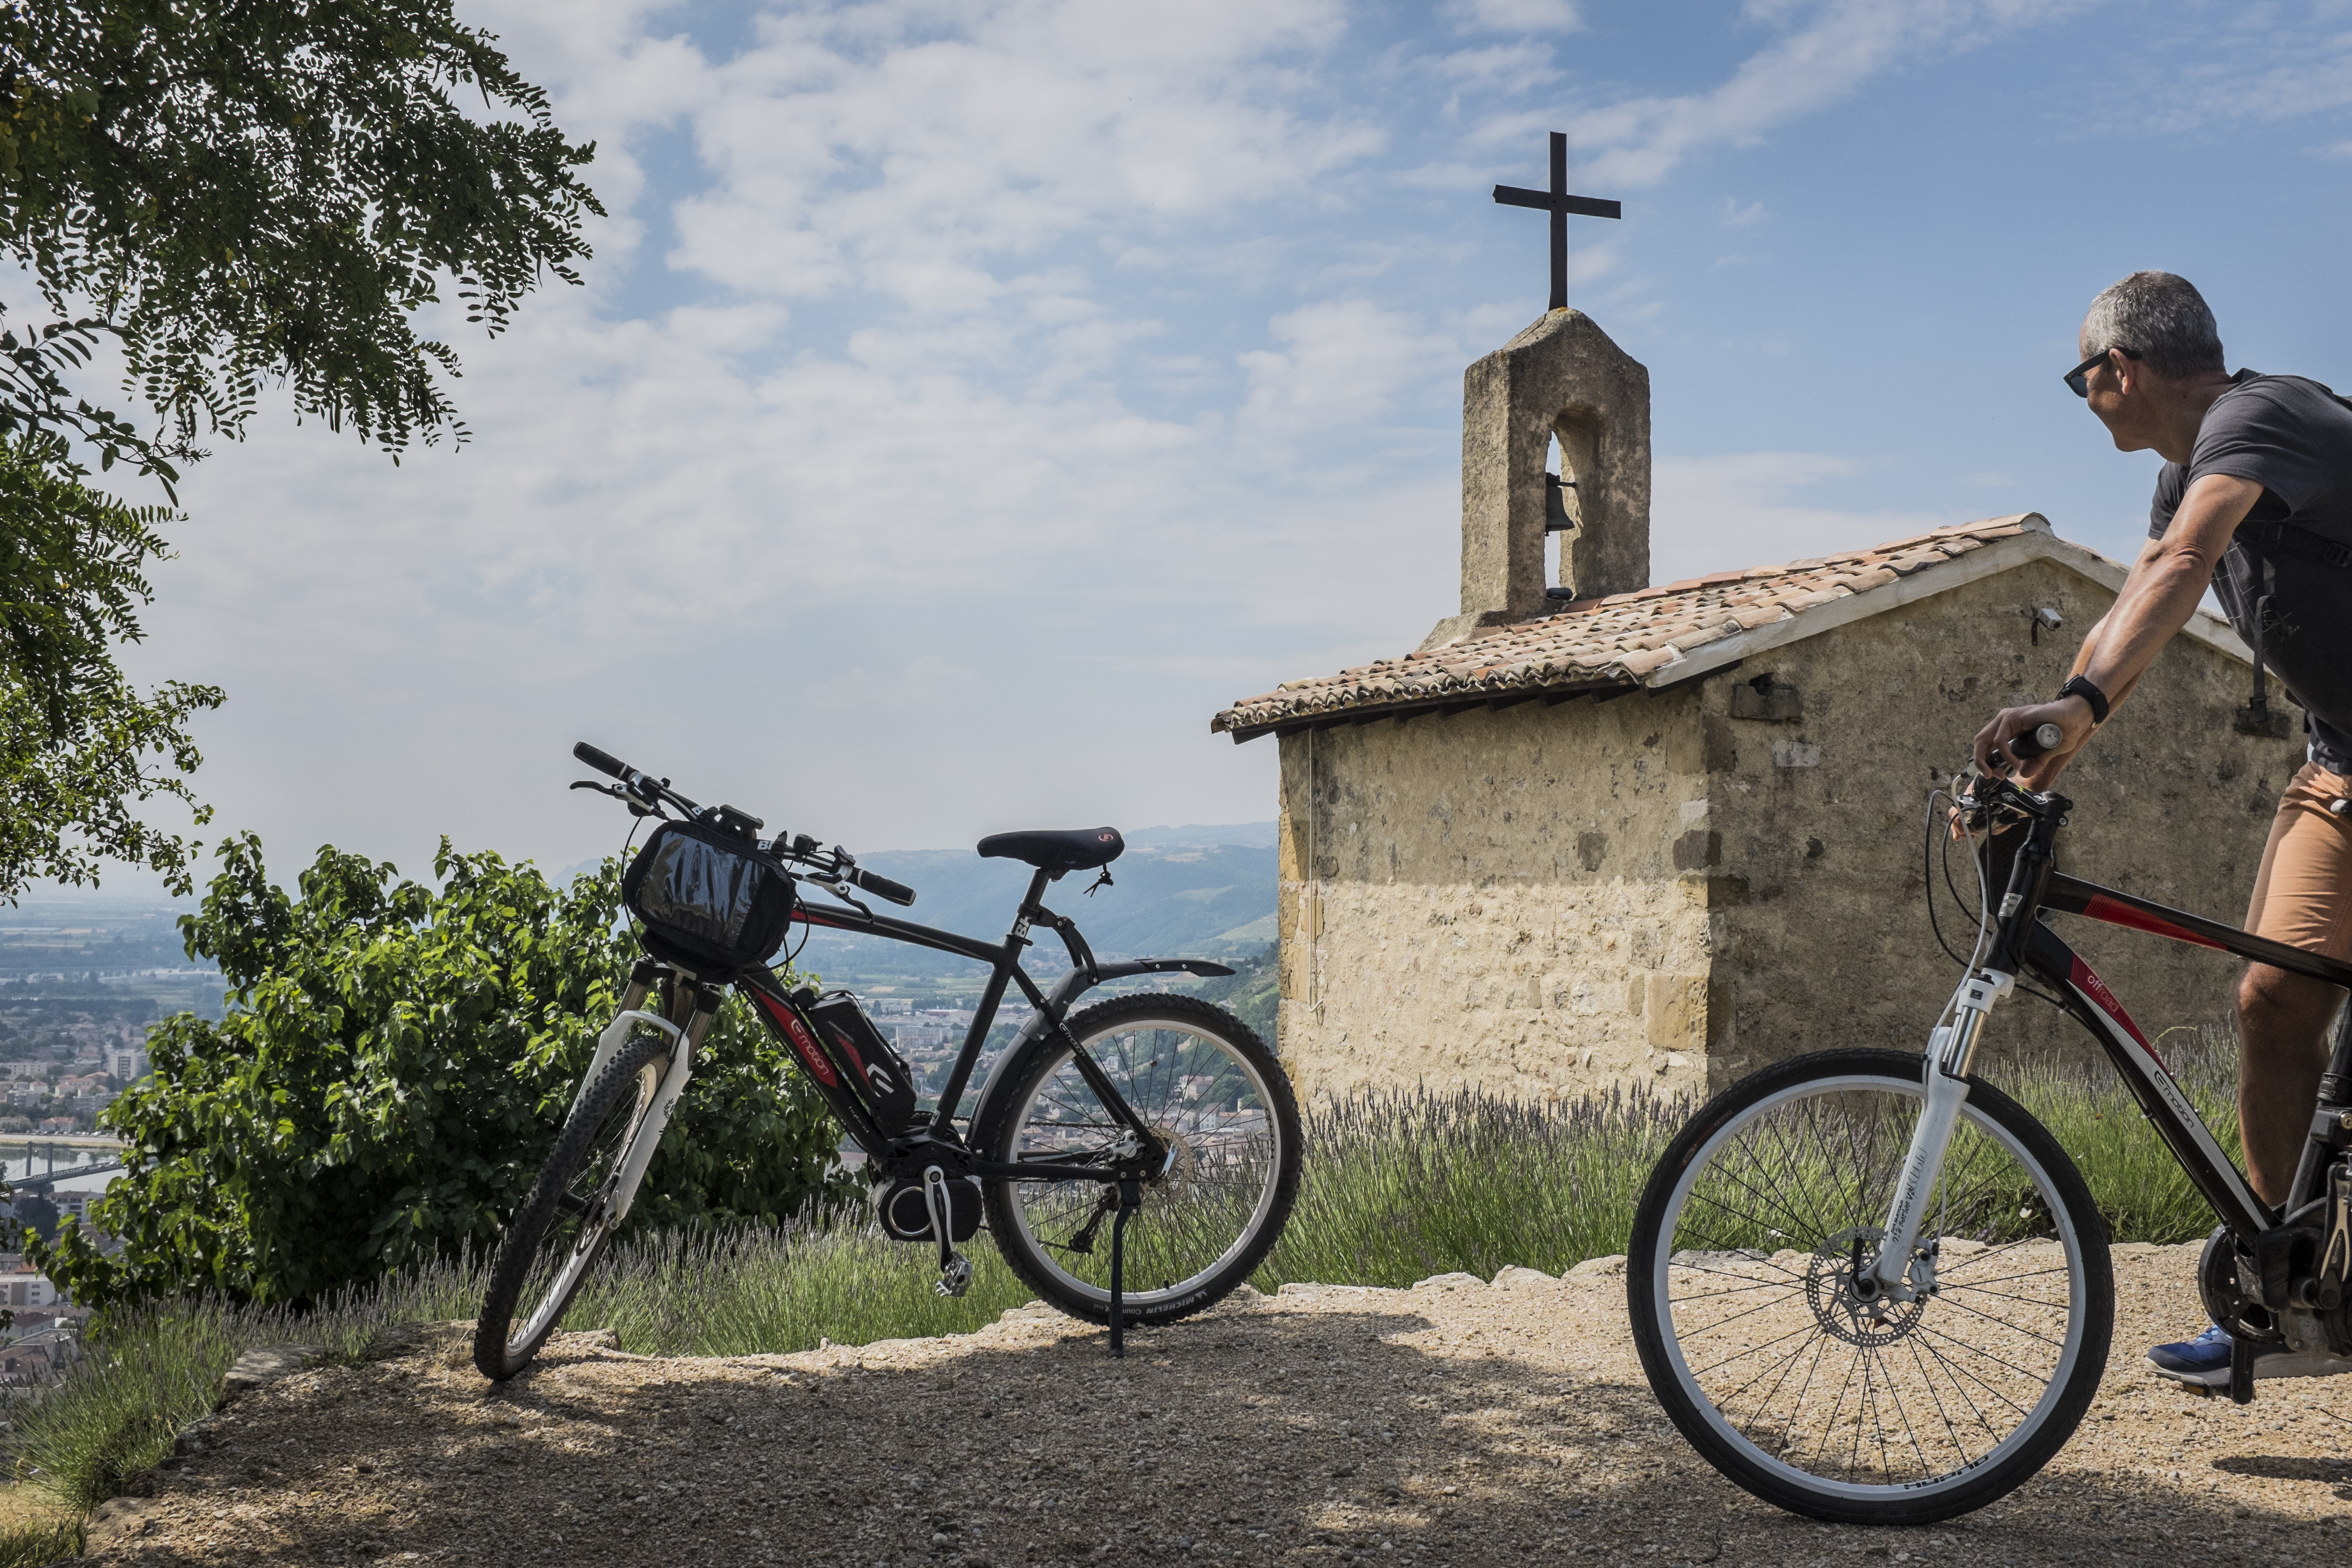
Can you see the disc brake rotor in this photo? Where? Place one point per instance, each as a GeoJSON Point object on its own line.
{"type": "Point", "coordinates": [1841, 1310]}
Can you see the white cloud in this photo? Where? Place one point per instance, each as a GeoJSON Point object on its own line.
{"type": "Point", "coordinates": [1341, 363]}
{"type": "Point", "coordinates": [1515, 15]}
{"type": "Point", "coordinates": [1831, 48]}
{"type": "Point", "coordinates": [1746, 508]}
{"type": "Point", "coordinates": [1731, 215]}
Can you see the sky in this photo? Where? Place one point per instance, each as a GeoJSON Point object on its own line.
{"type": "Point", "coordinates": [965, 401]}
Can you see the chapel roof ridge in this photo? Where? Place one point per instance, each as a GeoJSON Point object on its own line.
{"type": "Point", "coordinates": [1628, 639]}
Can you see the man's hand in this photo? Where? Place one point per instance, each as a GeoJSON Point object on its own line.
{"type": "Point", "coordinates": [2158, 597]}
{"type": "Point", "coordinates": [2071, 714]}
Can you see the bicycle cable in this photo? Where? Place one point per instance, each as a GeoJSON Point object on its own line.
{"type": "Point", "coordinates": [1985, 929]}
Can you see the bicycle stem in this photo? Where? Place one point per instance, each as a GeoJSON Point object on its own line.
{"type": "Point", "coordinates": [1952, 1050]}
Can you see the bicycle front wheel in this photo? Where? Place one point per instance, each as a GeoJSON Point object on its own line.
{"type": "Point", "coordinates": [1207, 1087]}
{"type": "Point", "coordinates": [570, 1213]}
{"type": "Point", "coordinates": [1868, 1411]}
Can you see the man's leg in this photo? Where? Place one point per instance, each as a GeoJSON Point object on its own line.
{"type": "Point", "coordinates": [2283, 1048]}
{"type": "Point", "coordinates": [2303, 897]}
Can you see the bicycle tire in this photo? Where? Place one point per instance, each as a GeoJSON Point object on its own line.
{"type": "Point", "coordinates": [563, 1223]}
{"type": "Point", "coordinates": [1841, 1097]}
{"type": "Point", "coordinates": [1208, 1220]}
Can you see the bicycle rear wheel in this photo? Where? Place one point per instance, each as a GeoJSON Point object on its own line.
{"type": "Point", "coordinates": [569, 1215]}
{"type": "Point", "coordinates": [1740, 1283]}
{"type": "Point", "coordinates": [1209, 1089]}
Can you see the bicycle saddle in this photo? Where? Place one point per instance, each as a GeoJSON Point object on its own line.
{"type": "Point", "coordinates": [1057, 848]}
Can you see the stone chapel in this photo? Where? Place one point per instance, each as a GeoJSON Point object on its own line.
{"type": "Point", "coordinates": [1597, 831]}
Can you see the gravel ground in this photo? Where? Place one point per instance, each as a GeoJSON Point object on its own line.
{"type": "Point", "coordinates": [1458, 1422]}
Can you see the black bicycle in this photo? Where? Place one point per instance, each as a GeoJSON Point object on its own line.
{"type": "Point", "coordinates": [1160, 1119]}
{"type": "Point", "coordinates": [1871, 1287]}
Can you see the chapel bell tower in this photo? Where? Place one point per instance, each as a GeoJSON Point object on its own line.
{"type": "Point", "coordinates": [1562, 376]}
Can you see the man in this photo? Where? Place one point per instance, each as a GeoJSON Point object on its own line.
{"type": "Point", "coordinates": [2257, 481]}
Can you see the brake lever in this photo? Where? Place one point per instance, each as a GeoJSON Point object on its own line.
{"type": "Point", "coordinates": [834, 885]}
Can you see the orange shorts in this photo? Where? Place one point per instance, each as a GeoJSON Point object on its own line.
{"type": "Point", "coordinates": [2303, 895]}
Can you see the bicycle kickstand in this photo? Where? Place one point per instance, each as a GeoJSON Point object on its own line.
{"type": "Point", "coordinates": [1130, 1198]}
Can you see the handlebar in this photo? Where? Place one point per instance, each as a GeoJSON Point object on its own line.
{"type": "Point", "coordinates": [882, 887]}
{"type": "Point", "coordinates": [645, 794]}
{"type": "Point", "coordinates": [2025, 747]}
{"type": "Point", "coordinates": [603, 761]}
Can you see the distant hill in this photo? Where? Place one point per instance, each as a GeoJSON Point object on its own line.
{"type": "Point", "coordinates": [1175, 893]}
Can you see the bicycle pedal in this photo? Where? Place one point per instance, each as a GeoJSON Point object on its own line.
{"type": "Point", "coordinates": [956, 1278]}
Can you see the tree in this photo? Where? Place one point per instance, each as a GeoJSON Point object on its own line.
{"type": "Point", "coordinates": [391, 1073]}
{"type": "Point", "coordinates": [268, 190]}
{"type": "Point", "coordinates": [79, 744]}
{"type": "Point", "coordinates": [224, 195]}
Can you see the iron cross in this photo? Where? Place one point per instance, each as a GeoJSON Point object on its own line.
{"type": "Point", "coordinates": [1560, 204]}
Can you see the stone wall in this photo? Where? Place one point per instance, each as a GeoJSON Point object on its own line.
{"type": "Point", "coordinates": [1494, 900]}
{"type": "Point", "coordinates": [1673, 888]}
{"type": "Point", "coordinates": [1817, 819]}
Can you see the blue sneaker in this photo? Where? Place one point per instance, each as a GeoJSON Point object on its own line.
{"type": "Point", "coordinates": [2204, 1362]}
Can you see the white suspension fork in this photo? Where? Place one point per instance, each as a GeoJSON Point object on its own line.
{"type": "Point", "coordinates": [616, 1035]}
{"type": "Point", "coordinates": [650, 1133]}
{"type": "Point", "coordinates": [1950, 1052]}
{"type": "Point", "coordinates": [684, 1044]}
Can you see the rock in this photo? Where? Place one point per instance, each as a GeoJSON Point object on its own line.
{"type": "Point", "coordinates": [121, 1518]}
{"type": "Point", "coordinates": [1028, 1313]}
{"type": "Point", "coordinates": [1303, 1287]}
{"type": "Point", "coordinates": [593, 1339]}
{"type": "Point", "coordinates": [259, 1368]}
{"type": "Point", "coordinates": [1455, 1282]}
{"type": "Point", "coordinates": [1592, 1268]}
{"type": "Point", "coordinates": [1513, 1276]}
{"type": "Point", "coordinates": [2135, 1249]}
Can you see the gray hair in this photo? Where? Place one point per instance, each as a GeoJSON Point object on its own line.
{"type": "Point", "coordinates": [2160, 318]}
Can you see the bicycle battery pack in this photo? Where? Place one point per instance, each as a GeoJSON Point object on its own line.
{"type": "Point", "coordinates": [869, 1067]}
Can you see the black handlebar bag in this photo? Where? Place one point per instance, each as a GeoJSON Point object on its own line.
{"type": "Point", "coordinates": [710, 900]}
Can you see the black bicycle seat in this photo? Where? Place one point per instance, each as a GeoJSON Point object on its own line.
{"type": "Point", "coordinates": [1057, 848]}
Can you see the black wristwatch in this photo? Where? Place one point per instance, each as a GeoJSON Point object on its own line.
{"type": "Point", "coordinates": [2079, 687]}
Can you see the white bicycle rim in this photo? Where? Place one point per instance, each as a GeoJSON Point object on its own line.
{"type": "Point", "coordinates": [1972, 1117]}
{"type": "Point", "coordinates": [553, 1301]}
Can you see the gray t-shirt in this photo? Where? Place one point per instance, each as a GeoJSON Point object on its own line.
{"type": "Point", "coordinates": [2293, 438]}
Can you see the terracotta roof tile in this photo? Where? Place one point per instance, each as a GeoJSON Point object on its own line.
{"type": "Point", "coordinates": [1614, 641]}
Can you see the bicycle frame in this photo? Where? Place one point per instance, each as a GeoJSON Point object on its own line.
{"type": "Point", "coordinates": [1003, 959]}
{"type": "Point", "coordinates": [695, 1002]}
{"type": "Point", "coordinates": [2022, 945]}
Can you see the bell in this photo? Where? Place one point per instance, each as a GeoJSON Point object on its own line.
{"type": "Point", "coordinates": [1556, 517]}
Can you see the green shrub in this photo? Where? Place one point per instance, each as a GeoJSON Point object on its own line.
{"type": "Point", "coordinates": [392, 1069]}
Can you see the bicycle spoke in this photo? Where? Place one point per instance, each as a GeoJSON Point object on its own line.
{"type": "Point", "coordinates": [1873, 1391]}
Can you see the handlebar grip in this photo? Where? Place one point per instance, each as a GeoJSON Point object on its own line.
{"type": "Point", "coordinates": [2030, 744]}
{"type": "Point", "coordinates": [603, 761]}
{"type": "Point", "coordinates": [883, 887]}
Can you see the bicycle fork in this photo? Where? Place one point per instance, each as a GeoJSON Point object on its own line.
{"type": "Point", "coordinates": [685, 1044]}
{"type": "Point", "coordinates": [1894, 1274]}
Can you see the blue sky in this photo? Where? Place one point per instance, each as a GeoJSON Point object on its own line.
{"type": "Point", "coordinates": [968, 400]}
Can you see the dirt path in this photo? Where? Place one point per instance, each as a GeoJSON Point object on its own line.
{"type": "Point", "coordinates": [1457, 1423]}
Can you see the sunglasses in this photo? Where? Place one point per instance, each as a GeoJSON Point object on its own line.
{"type": "Point", "coordinates": [2078, 380]}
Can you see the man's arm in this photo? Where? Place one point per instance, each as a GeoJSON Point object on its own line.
{"type": "Point", "coordinates": [2165, 583]}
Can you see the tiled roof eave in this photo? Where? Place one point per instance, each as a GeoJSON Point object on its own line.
{"type": "Point", "coordinates": [1459, 700]}
{"type": "Point", "coordinates": [1663, 637]}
